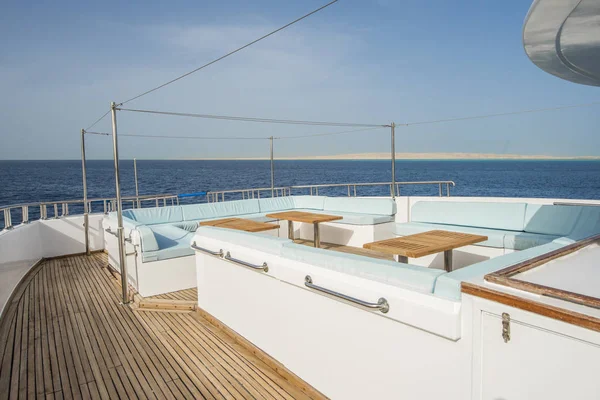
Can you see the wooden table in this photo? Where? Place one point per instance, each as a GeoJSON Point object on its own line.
{"type": "Point", "coordinates": [240, 224]}
{"type": "Point", "coordinates": [424, 244]}
{"type": "Point", "coordinates": [307, 217]}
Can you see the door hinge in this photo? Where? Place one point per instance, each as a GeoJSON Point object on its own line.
{"type": "Point", "coordinates": [505, 327]}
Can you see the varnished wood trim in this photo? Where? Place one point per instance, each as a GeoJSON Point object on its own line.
{"type": "Point", "coordinates": [560, 314]}
{"type": "Point", "coordinates": [539, 260]}
{"type": "Point", "coordinates": [261, 355]}
{"type": "Point", "coordinates": [505, 276]}
{"type": "Point", "coordinates": [545, 290]}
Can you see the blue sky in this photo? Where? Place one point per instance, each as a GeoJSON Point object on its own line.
{"type": "Point", "coordinates": [357, 61]}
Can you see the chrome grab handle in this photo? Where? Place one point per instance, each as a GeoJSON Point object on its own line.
{"type": "Point", "coordinates": [263, 267]}
{"type": "Point", "coordinates": [381, 305]}
{"type": "Point", "coordinates": [107, 230]}
{"type": "Point", "coordinates": [207, 251]}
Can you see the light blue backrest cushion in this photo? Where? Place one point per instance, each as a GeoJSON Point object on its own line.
{"type": "Point", "coordinates": [189, 226]}
{"type": "Point", "coordinates": [360, 205]}
{"type": "Point", "coordinates": [156, 215]}
{"type": "Point", "coordinates": [218, 210]}
{"type": "Point", "coordinates": [310, 202]}
{"type": "Point", "coordinates": [588, 223]}
{"type": "Point", "coordinates": [389, 272]}
{"type": "Point", "coordinates": [508, 216]}
{"type": "Point", "coordinates": [448, 285]}
{"type": "Point", "coordinates": [261, 242]}
{"type": "Point", "coordinates": [276, 204]}
{"type": "Point", "coordinates": [550, 219]}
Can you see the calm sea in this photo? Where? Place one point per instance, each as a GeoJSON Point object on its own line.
{"type": "Point", "coordinates": [34, 181]}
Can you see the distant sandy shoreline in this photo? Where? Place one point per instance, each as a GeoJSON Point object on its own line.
{"type": "Point", "coordinates": [414, 156]}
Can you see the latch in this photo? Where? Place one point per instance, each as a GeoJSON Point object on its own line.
{"type": "Point", "coordinates": [505, 327]}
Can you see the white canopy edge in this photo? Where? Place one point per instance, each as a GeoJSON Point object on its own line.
{"type": "Point", "coordinates": [562, 37]}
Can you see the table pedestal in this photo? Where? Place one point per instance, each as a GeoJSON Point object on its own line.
{"type": "Point", "coordinates": [448, 260]}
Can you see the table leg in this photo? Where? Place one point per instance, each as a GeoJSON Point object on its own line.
{"type": "Point", "coordinates": [448, 260]}
{"type": "Point", "coordinates": [317, 235]}
{"type": "Point", "coordinates": [290, 230]}
{"type": "Point", "coordinates": [403, 259]}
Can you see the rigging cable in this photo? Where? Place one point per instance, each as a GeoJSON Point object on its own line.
{"type": "Point", "coordinates": [229, 54]}
{"type": "Point", "coordinates": [98, 120]}
{"type": "Point", "coordinates": [501, 114]}
{"type": "Point", "coordinates": [255, 119]}
{"type": "Point", "coordinates": [180, 137]}
{"type": "Point", "coordinates": [327, 134]}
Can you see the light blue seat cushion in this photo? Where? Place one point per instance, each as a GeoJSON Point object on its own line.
{"type": "Point", "coordinates": [309, 202]}
{"type": "Point", "coordinates": [360, 205]}
{"type": "Point", "coordinates": [448, 285]}
{"type": "Point", "coordinates": [171, 242]}
{"type": "Point", "coordinates": [194, 212]}
{"type": "Point", "coordinates": [495, 237]}
{"type": "Point", "coordinates": [526, 240]}
{"type": "Point", "coordinates": [504, 216]}
{"type": "Point", "coordinates": [389, 272]}
{"type": "Point", "coordinates": [256, 241]}
{"type": "Point", "coordinates": [501, 239]}
{"type": "Point", "coordinates": [551, 220]}
{"type": "Point", "coordinates": [157, 215]}
{"type": "Point", "coordinates": [276, 204]}
{"type": "Point", "coordinates": [353, 218]}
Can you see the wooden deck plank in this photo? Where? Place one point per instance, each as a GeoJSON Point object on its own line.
{"type": "Point", "coordinates": [110, 308]}
{"type": "Point", "coordinates": [64, 334]}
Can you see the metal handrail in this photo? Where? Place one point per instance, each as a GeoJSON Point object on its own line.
{"type": "Point", "coordinates": [251, 193]}
{"type": "Point", "coordinates": [264, 267]}
{"type": "Point", "coordinates": [202, 249]}
{"type": "Point", "coordinates": [108, 204]}
{"type": "Point", "coordinates": [215, 196]}
{"type": "Point", "coordinates": [108, 230]}
{"type": "Point", "coordinates": [381, 305]}
{"type": "Point", "coordinates": [60, 202]}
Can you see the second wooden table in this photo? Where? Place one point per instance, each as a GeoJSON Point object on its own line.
{"type": "Point", "coordinates": [307, 217]}
{"type": "Point", "coordinates": [426, 243]}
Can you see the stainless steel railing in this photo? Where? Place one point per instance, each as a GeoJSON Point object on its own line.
{"type": "Point", "coordinates": [313, 190]}
{"type": "Point", "coordinates": [381, 305]}
{"type": "Point", "coordinates": [252, 193]}
{"type": "Point", "coordinates": [63, 208]}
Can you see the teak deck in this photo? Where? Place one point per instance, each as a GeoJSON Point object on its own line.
{"type": "Point", "coordinates": [424, 244]}
{"type": "Point", "coordinates": [64, 335]}
{"type": "Point", "coordinates": [241, 224]}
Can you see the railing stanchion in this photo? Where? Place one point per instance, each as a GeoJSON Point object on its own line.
{"type": "Point", "coordinates": [447, 190]}
{"type": "Point", "coordinates": [393, 145]}
{"type": "Point", "coordinates": [7, 219]}
{"type": "Point", "coordinates": [25, 215]}
{"type": "Point", "coordinates": [55, 210]}
{"type": "Point", "coordinates": [137, 192]}
{"type": "Point", "coordinates": [272, 169]}
{"type": "Point", "coordinates": [440, 188]}
{"type": "Point", "coordinates": [121, 238]}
